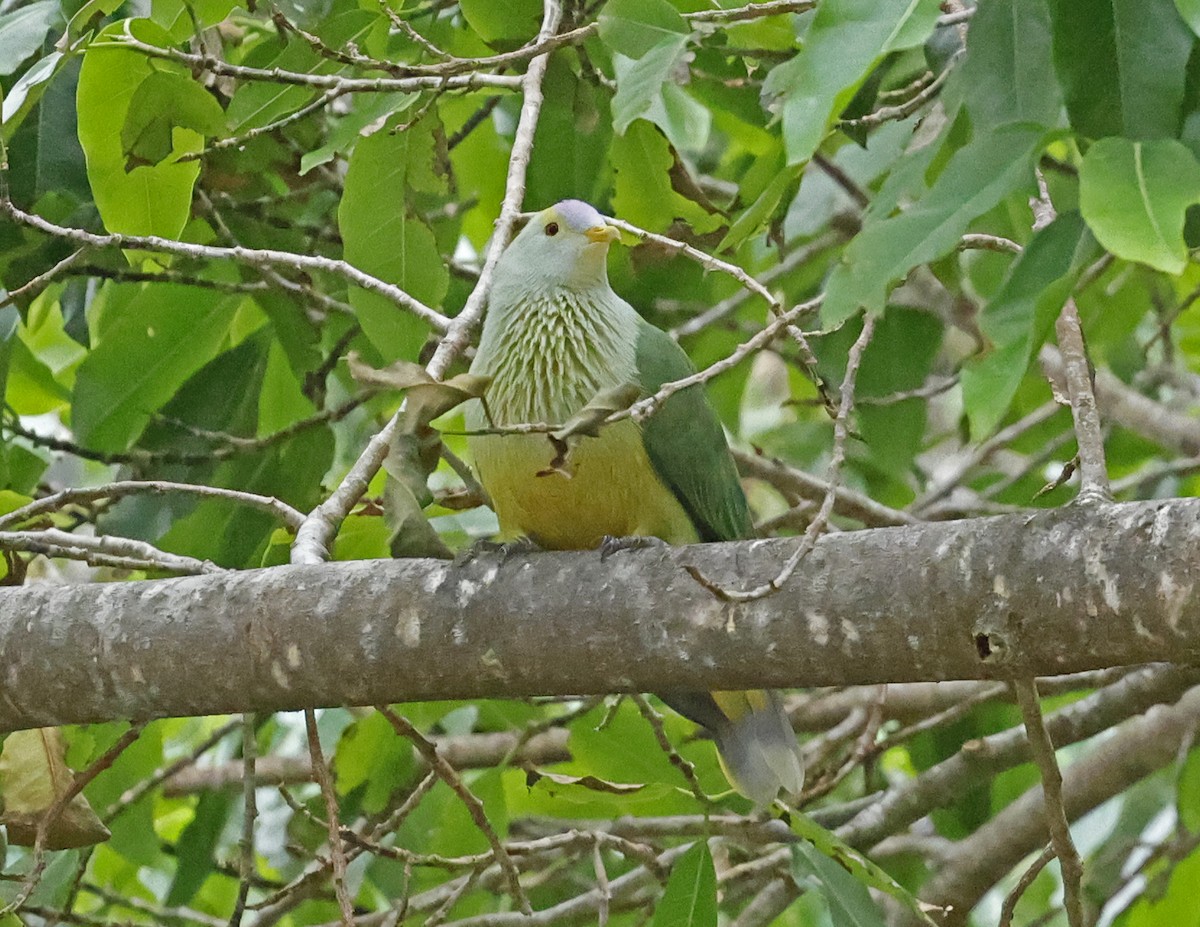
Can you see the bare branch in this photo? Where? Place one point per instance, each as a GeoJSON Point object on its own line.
{"type": "Point", "coordinates": [249, 814]}
{"type": "Point", "coordinates": [1077, 369]}
{"type": "Point", "coordinates": [103, 550]}
{"type": "Point", "coordinates": [258, 257]}
{"type": "Point", "coordinates": [124, 488]}
{"type": "Point", "coordinates": [816, 527]}
{"type": "Point", "coordinates": [337, 850]}
{"type": "Point", "coordinates": [1042, 748]}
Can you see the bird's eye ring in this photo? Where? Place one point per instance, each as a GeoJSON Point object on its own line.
{"type": "Point", "coordinates": [552, 228]}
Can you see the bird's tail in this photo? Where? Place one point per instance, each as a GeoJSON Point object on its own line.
{"type": "Point", "coordinates": [755, 741]}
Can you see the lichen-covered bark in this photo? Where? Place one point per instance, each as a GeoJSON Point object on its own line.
{"type": "Point", "coordinates": [1040, 593]}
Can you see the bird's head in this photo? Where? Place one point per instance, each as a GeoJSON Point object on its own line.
{"type": "Point", "coordinates": [564, 246]}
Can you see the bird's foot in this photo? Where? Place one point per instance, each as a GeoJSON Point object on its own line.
{"type": "Point", "coordinates": [506, 549]}
{"type": "Point", "coordinates": [611, 545]}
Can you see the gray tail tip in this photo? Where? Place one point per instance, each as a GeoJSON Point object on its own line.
{"type": "Point", "coordinates": [761, 756]}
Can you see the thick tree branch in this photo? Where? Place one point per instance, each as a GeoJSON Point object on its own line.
{"type": "Point", "coordinates": [1030, 594]}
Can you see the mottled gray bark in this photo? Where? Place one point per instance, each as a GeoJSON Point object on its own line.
{"type": "Point", "coordinates": [1043, 593]}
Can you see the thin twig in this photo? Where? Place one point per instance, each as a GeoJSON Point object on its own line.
{"type": "Point", "coordinates": [1008, 909]}
{"type": "Point", "coordinates": [337, 850]}
{"type": "Point", "coordinates": [686, 768]}
{"type": "Point", "coordinates": [906, 109]}
{"type": "Point", "coordinates": [644, 408]}
{"type": "Point", "coordinates": [237, 141]}
{"type": "Point", "coordinates": [727, 306]}
{"type": "Point", "coordinates": [123, 488]}
{"type": "Point", "coordinates": [816, 527]}
{"type": "Point", "coordinates": [977, 455]}
{"type": "Point", "coordinates": [980, 242]}
{"type": "Point", "coordinates": [103, 550]}
{"type": "Point", "coordinates": [44, 279]}
{"type": "Point", "coordinates": [1042, 748]}
{"type": "Point", "coordinates": [474, 806]}
{"type": "Point", "coordinates": [145, 786]}
{"type": "Point", "coordinates": [1089, 432]}
{"type": "Point", "coordinates": [257, 257]}
{"type": "Point", "coordinates": [427, 78]}
{"type": "Point", "coordinates": [249, 815]}
{"type": "Point", "coordinates": [1079, 376]}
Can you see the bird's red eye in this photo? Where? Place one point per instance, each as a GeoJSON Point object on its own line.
{"type": "Point", "coordinates": [551, 228]}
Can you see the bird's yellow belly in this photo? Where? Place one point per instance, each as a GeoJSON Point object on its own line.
{"type": "Point", "coordinates": [612, 490]}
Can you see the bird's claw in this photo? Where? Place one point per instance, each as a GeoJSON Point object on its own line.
{"type": "Point", "coordinates": [611, 545]}
{"type": "Point", "coordinates": [506, 549]}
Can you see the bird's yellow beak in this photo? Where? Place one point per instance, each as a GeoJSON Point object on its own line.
{"type": "Point", "coordinates": [603, 233]}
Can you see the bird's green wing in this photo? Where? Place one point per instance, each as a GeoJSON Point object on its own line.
{"type": "Point", "coordinates": [686, 445]}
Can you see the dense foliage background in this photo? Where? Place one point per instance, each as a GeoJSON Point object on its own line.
{"type": "Point", "coordinates": [208, 206]}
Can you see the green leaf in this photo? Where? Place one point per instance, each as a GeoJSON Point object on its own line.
{"type": "Point", "coordinates": [1008, 59]}
{"type": "Point", "coordinates": [850, 903]}
{"type": "Point", "coordinates": [690, 899]}
{"type": "Point", "coordinates": [1190, 11]}
{"type": "Point", "coordinates": [1018, 319]}
{"type": "Point", "coordinates": [899, 357]}
{"type": "Point", "coordinates": [756, 214]}
{"type": "Point", "coordinates": [22, 32]}
{"type": "Point", "coordinates": [384, 238]}
{"type": "Point", "coordinates": [163, 102]}
{"type": "Point", "coordinates": [147, 200]}
{"type": "Point", "coordinates": [1122, 65]}
{"type": "Point", "coordinates": [257, 103]}
{"type": "Point", "coordinates": [174, 18]}
{"type": "Point", "coordinates": [642, 192]}
{"type": "Point", "coordinates": [1134, 196]}
{"type": "Point", "coordinates": [1174, 904]}
{"type": "Point", "coordinates": [59, 164]}
{"type": "Point", "coordinates": [847, 38]}
{"type": "Point", "coordinates": [819, 842]}
{"type": "Point", "coordinates": [640, 82]}
{"type": "Point", "coordinates": [573, 135]}
{"type": "Point", "coordinates": [32, 388]}
{"type": "Point", "coordinates": [163, 336]}
{"type": "Point", "coordinates": [624, 749]}
{"type": "Point", "coordinates": [367, 108]}
{"type": "Point", "coordinates": [138, 761]}
{"type": "Point", "coordinates": [25, 93]}
{"type": "Point", "coordinates": [685, 121]}
{"type": "Point", "coordinates": [502, 20]}
{"type": "Point", "coordinates": [635, 27]}
{"type": "Point", "coordinates": [1188, 792]}
{"type": "Point", "coordinates": [369, 753]}
{"type": "Point", "coordinates": [196, 846]}
{"type": "Point", "coordinates": [977, 177]}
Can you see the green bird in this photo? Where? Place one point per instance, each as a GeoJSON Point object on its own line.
{"type": "Point", "coordinates": [555, 336]}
